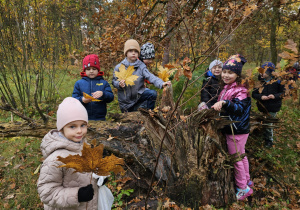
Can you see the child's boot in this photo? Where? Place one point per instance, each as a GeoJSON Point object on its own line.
{"type": "Point", "coordinates": [243, 193]}
{"type": "Point", "coordinates": [268, 144]}
{"type": "Point", "coordinates": [250, 183]}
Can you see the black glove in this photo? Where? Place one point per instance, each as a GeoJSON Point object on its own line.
{"type": "Point", "coordinates": [104, 181]}
{"type": "Point", "coordinates": [85, 193]}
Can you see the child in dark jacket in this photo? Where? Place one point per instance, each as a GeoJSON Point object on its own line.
{"type": "Point", "coordinates": [270, 99]}
{"type": "Point", "coordinates": [92, 83]}
{"type": "Point", "coordinates": [236, 102]}
{"type": "Point", "coordinates": [131, 97]}
{"type": "Point", "coordinates": [211, 85]}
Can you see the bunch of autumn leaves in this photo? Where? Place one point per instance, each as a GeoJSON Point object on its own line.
{"type": "Point", "coordinates": [126, 74]}
{"type": "Point", "coordinates": [91, 161]}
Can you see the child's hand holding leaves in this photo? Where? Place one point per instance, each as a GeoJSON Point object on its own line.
{"type": "Point", "coordinates": [97, 94]}
{"type": "Point", "coordinates": [86, 100]}
{"type": "Point", "coordinates": [122, 83]}
{"type": "Point", "coordinates": [218, 106]}
{"type": "Point", "coordinates": [165, 84]}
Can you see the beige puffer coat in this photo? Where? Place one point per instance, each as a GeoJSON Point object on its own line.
{"type": "Point", "coordinates": [58, 187]}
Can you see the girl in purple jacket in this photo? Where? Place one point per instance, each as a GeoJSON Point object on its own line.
{"type": "Point", "coordinates": [235, 101]}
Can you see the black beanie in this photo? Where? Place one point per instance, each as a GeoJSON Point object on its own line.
{"type": "Point", "coordinates": [147, 51]}
{"type": "Point", "coordinates": [235, 63]}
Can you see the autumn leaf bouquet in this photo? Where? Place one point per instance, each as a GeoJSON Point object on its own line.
{"type": "Point", "coordinates": [92, 161]}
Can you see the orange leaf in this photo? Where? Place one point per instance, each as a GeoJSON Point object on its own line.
{"type": "Point", "coordinates": [262, 70]}
{"type": "Point", "coordinates": [178, 74]}
{"type": "Point", "coordinates": [92, 160]}
{"type": "Point", "coordinates": [188, 74]}
{"type": "Point", "coordinates": [89, 97]}
{"type": "Point", "coordinates": [169, 66]}
{"type": "Point", "coordinates": [186, 60]}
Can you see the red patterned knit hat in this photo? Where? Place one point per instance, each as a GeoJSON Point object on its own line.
{"type": "Point", "coordinates": [91, 61]}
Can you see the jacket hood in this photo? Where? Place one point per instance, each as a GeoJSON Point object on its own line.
{"type": "Point", "coordinates": [137, 63]}
{"type": "Point", "coordinates": [53, 141]}
{"type": "Point", "coordinates": [209, 74]}
{"type": "Point", "coordinates": [83, 73]}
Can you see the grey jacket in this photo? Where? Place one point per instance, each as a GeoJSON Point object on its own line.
{"type": "Point", "coordinates": [129, 95]}
{"type": "Point", "coordinates": [58, 187]}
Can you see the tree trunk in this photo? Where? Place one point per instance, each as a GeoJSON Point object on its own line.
{"type": "Point", "coordinates": [274, 25]}
{"type": "Point", "coordinates": [167, 41]}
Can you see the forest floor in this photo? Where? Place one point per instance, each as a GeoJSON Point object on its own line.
{"type": "Point", "coordinates": [275, 171]}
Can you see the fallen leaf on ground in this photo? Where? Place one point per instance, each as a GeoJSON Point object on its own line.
{"type": "Point", "coordinates": [9, 197]}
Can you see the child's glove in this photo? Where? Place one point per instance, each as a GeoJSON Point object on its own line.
{"type": "Point", "coordinates": [85, 193]}
{"type": "Point", "coordinates": [105, 180]}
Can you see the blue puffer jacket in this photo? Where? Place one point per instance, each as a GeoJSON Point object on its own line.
{"type": "Point", "coordinates": [96, 110]}
{"type": "Point", "coordinates": [237, 108]}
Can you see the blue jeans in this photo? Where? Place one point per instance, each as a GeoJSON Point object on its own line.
{"type": "Point", "coordinates": [147, 100]}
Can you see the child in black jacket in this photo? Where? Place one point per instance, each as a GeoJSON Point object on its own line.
{"type": "Point", "coordinates": [211, 85]}
{"type": "Point", "coordinates": [270, 99]}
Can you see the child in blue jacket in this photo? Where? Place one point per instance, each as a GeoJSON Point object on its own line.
{"type": "Point", "coordinates": [92, 83]}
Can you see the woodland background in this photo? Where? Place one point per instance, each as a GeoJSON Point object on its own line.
{"type": "Point", "coordinates": [43, 42]}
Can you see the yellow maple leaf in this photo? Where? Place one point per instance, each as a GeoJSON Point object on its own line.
{"type": "Point", "coordinates": [92, 160]}
{"type": "Point", "coordinates": [126, 75]}
{"type": "Point", "coordinates": [164, 73]}
{"type": "Point", "coordinates": [89, 97]}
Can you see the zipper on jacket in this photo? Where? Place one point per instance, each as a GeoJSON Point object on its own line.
{"type": "Point", "coordinates": [228, 115]}
{"type": "Point", "coordinates": [91, 94]}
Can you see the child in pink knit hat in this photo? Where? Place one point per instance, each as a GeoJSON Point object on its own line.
{"type": "Point", "coordinates": [61, 188]}
{"type": "Point", "coordinates": [93, 84]}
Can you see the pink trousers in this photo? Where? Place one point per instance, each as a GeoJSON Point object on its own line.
{"type": "Point", "coordinates": [241, 168]}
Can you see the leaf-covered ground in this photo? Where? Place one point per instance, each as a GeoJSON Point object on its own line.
{"type": "Point", "coordinates": [275, 171]}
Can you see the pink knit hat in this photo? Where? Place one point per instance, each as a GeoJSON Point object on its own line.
{"type": "Point", "coordinates": [70, 110]}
